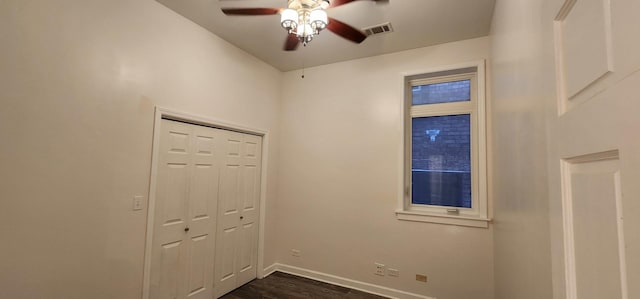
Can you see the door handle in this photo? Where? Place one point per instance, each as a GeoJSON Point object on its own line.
{"type": "Point", "coordinates": [241, 217]}
{"type": "Point", "coordinates": [186, 229]}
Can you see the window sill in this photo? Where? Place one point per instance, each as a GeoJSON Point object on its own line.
{"type": "Point", "coordinates": [443, 219]}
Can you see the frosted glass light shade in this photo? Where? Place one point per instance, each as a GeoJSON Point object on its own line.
{"type": "Point", "coordinates": [289, 19]}
{"type": "Point", "coordinates": [305, 30]}
{"type": "Point", "coordinates": [318, 19]}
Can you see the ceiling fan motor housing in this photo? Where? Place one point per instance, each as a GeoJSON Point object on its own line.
{"type": "Point", "coordinates": [308, 4]}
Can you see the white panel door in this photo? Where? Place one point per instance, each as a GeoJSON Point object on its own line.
{"type": "Point", "coordinates": [182, 254]}
{"type": "Point", "coordinates": [238, 211]}
{"type": "Point", "coordinates": [595, 153]}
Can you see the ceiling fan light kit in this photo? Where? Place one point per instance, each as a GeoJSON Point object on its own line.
{"type": "Point", "coordinates": [305, 19]}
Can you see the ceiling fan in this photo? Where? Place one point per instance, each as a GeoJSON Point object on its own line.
{"type": "Point", "coordinates": [303, 19]}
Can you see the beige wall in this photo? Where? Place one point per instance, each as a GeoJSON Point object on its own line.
{"type": "Point", "coordinates": [78, 83]}
{"type": "Point", "coordinates": [338, 183]}
{"type": "Point", "coordinates": [80, 79]}
{"type": "Point", "coordinates": [523, 94]}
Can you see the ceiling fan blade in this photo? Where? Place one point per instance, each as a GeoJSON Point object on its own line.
{"type": "Point", "coordinates": [346, 31]}
{"type": "Point", "coordinates": [251, 11]}
{"type": "Point", "coordinates": [292, 42]}
{"type": "Point", "coordinates": [335, 3]}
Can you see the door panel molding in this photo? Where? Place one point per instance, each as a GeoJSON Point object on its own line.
{"type": "Point", "coordinates": [591, 190]}
{"type": "Point", "coordinates": [170, 114]}
{"type": "Point", "coordinates": [584, 50]}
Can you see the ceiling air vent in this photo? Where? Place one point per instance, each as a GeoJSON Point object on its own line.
{"type": "Point", "coordinates": [378, 29]}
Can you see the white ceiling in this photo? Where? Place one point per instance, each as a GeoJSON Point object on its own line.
{"type": "Point", "coordinates": [416, 23]}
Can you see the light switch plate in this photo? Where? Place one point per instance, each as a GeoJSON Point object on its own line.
{"type": "Point", "coordinates": [138, 202]}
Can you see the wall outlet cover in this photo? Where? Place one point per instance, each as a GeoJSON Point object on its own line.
{"type": "Point", "coordinates": [380, 269]}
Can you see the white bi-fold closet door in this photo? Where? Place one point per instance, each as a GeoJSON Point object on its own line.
{"type": "Point", "coordinates": [238, 211]}
{"type": "Point", "coordinates": [206, 211]}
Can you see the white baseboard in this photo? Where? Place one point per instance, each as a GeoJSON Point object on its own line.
{"type": "Point", "coordinates": [344, 282]}
{"type": "Point", "coordinates": [269, 270]}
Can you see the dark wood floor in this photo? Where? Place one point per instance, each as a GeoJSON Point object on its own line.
{"type": "Point", "coordinates": [286, 286]}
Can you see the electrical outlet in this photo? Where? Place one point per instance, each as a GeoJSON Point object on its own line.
{"type": "Point", "coordinates": [393, 272]}
{"type": "Point", "coordinates": [380, 269]}
{"type": "Point", "coordinates": [137, 202]}
{"type": "Point", "coordinates": [420, 277]}
{"type": "Point", "coordinates": [295, 252]}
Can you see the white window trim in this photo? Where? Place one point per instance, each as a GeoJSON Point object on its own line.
{"type": "Point", "coordinates": [478, 215]}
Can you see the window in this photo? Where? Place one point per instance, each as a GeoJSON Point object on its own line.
{"type": "Point", "coordinates": [445, 148]}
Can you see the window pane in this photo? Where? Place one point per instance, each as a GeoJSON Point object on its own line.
{"type": "Point", "coordinates": [456, 91]}
{"type": "Point", "coordinates": [441, 161]}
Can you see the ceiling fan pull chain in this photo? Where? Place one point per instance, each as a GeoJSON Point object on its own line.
{"type": "Point", "coordinates": [303, 53]}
